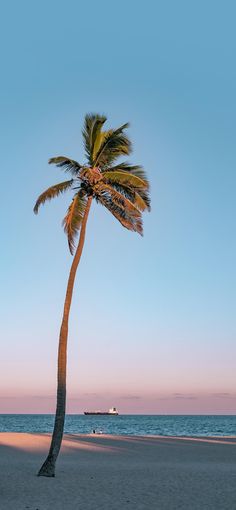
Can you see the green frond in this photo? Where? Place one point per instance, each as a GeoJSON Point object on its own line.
{"type": "Point", "coordinates": [52, 192]}
{"type": "Point", "coordinates": [73, 219]}
{"type": "Point", "coordinates": [142, 199]}
{"type": "Point", "coordinates": [100, 138]}
{"type": "Point", "coordinates": [114, 145]}
{"type": "Point", "coordinates": [126, 167]}
{"type": "Point", "coordinates": [69, 165]}
{"type": "Point", "coordinates": [91, 133]}
{"type": "Point", "coordinates": [122, 177]}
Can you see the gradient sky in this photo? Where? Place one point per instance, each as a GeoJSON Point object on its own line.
{"type": "Point", "coordinates": [153, 319]}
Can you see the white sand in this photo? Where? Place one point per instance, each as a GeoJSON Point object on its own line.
{"type": "Point", "coordinates": [113, 472]}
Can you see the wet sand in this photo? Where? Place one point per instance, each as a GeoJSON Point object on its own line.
{"type": "Point", "coordinates": [101, 472]}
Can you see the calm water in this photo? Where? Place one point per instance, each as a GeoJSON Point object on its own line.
{"type": "Point", "coordinates": [126, 424]}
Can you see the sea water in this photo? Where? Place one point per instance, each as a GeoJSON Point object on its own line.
{"type": "Point", "coordinates": [138, 425]}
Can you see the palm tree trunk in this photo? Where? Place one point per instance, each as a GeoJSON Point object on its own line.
{"type": "Point", "coordinates": [48, 467]}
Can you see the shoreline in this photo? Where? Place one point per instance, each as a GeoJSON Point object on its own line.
{"type": "Point", "coordinates": [122, 436]}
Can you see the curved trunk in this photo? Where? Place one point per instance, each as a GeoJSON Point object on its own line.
{"type": "Point", "coordinates": [48, 467]}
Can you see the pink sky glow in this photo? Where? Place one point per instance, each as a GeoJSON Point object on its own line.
{"type": "Point", "coordinates": [175, 403]}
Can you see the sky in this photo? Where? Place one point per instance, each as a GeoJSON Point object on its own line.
{"type": "Point", "coordinates": [152, 327]}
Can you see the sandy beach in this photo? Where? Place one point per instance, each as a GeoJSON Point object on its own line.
{"type": "Point", "coordinates": [113, 472]}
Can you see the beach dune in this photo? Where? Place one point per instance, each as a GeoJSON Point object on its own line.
{"type": "Point", "coordinates": [101, 472]}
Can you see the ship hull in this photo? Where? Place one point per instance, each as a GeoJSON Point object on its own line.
{"type": "Point", "coordinates": [100, 414]}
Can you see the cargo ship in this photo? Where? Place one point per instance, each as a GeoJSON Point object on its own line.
{"type": "Point", "coordinates": [112, 412]}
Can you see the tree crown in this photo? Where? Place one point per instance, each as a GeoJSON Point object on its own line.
{"type": "Point", "coordinates": [122, 188]}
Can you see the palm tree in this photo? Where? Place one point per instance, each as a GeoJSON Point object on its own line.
{"type": "Point", "coordinates": [123, 190]}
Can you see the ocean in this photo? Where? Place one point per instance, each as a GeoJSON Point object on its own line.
{"type": "Point", "coordinates": [138, 425]}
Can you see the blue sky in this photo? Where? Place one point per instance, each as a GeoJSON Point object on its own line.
{"type": "Point", "coordinates": [152, 317]}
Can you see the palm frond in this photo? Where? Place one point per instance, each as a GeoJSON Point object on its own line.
{"type": "Point", "coordinates": [99, 140]}
{"type": "Point", "coordinates": [69, 165]}
{"type": "Point", "coordinates": [116, 197]}
{"type": "Point", "coordinates": [119, 205]}
{"type": "Point", "coordinates": [122, 177]}
{"type": "Point", "coordinates": [126, 219]}
{"type": "Point", "coordinates": [73, 219]}
{"type": "Point", "coordinates": [140, 202]}
{"type": "Point", "coordinates": [126, 167]}
{"type": "Point", "coordinates": [92, 127]}
{"type": "Point", "coordinates": [52, 192]}
{"type": "Point", "coordinates": [139, 198]}
{"type": "Point", "coordinates": [125, 190]}
{"type": "Point", "coordinates": [143, 198]}
{"type": "Point", "coordinates": [115, 143]}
